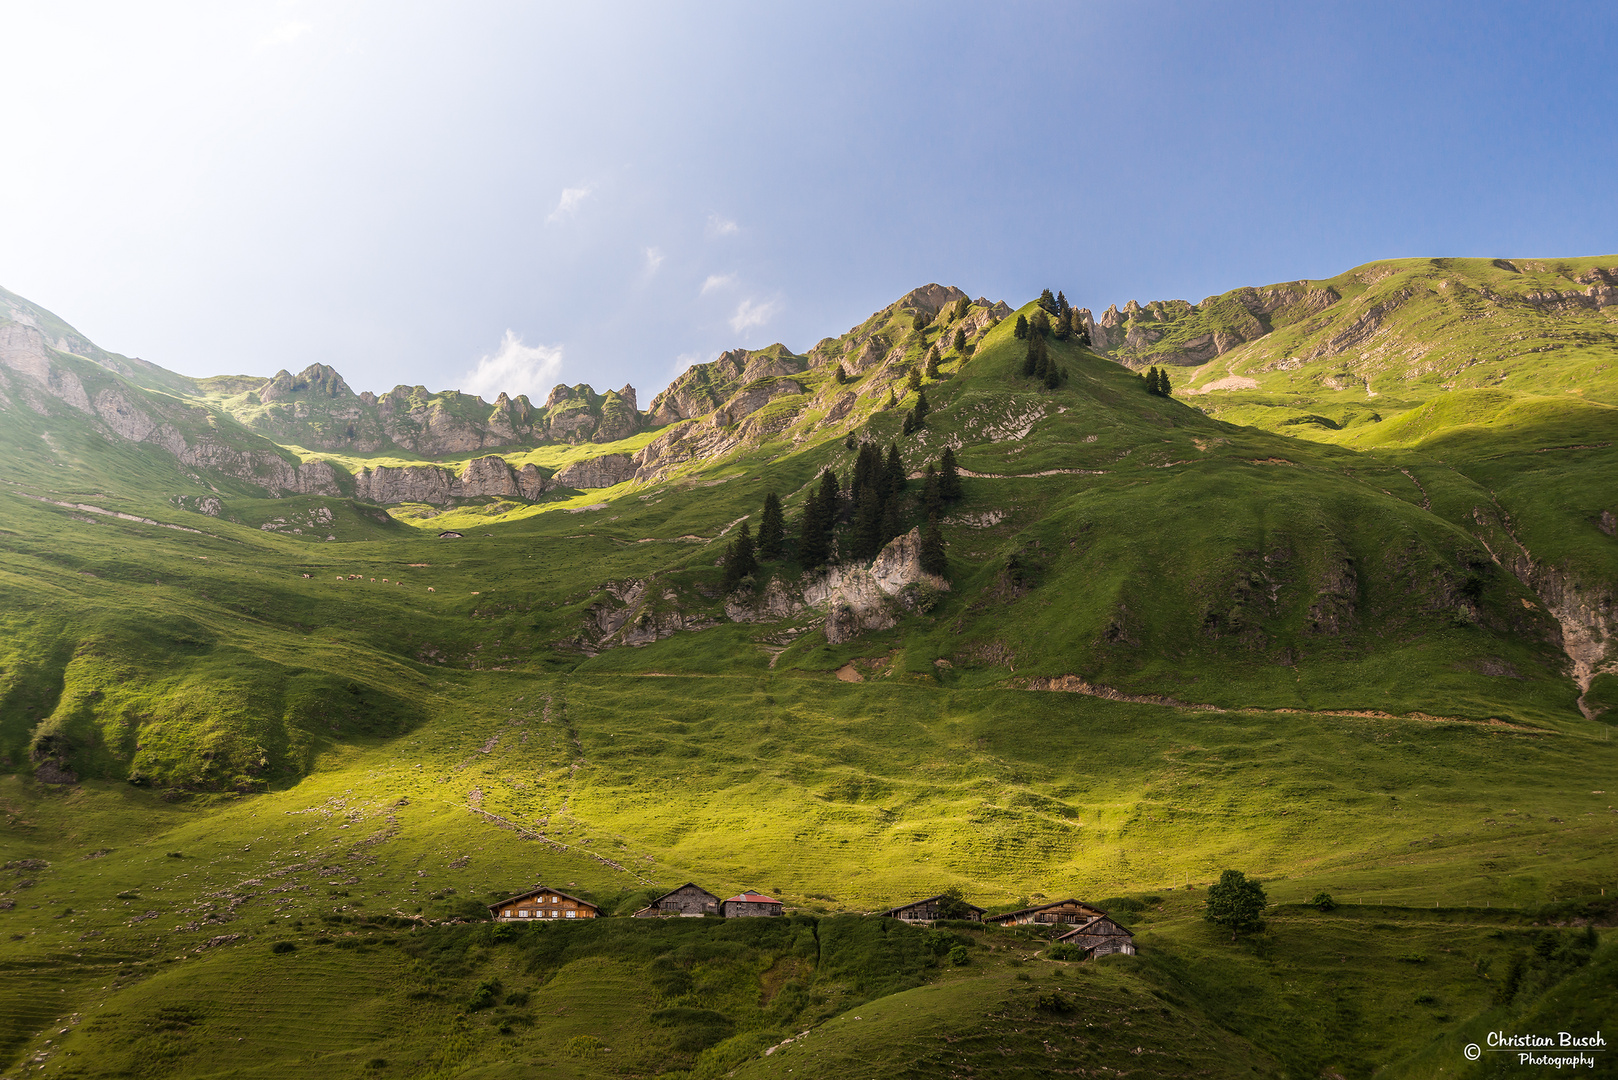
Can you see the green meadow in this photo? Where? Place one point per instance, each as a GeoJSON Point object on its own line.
{"type": "Point", "coordinates": [302, 742]}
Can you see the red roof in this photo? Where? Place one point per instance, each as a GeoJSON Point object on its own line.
{"type": "Point", "coordinates": [752, 898]}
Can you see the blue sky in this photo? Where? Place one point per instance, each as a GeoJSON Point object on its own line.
{"type": "Point", "coordinates": [502, 196]}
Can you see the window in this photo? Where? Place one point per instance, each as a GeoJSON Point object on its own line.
{"type": "Point", "coordinates": [522, 914]}
{"type": "Point", "coordinates": [571, 914]}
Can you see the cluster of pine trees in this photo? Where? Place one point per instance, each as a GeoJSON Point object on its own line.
{"type": "Point", "coordinates": [873, 503]}
{"type": "Point", "coordinates": [1037, 364]}
{"type": "Point", "coordinates": [1157, 382]}
{"type": "Point", "coordinates": [1066, 326]}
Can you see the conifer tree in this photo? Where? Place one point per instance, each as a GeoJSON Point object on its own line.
{"type": "Point", "coordinates": [949, 476]}
{"type": "Point", "coordinates": [892, 399]}
{"type": "Point", "coordinates": [1062, 306]}
{"type": "Point", "coordinates": [921, 408]}
{"type": "Point", "coordinates": [918, 322]}
{"type": "Point", "coordinates": [771, 528]}
{"type": "Point", "coordinates": [893, 474]}
{"type": "Point", "coordinates": [841, 375]}
{"type": "Point", "coordinates": [867, 523]}
{"type": "Point", "coordinates": [812, 544]}
{"type": "Point", "coordinates": [913, 380]}
{"type": "Point", "coordinates": [1163, 386]}
{"type": "Point", "coordinates": [892, 521]}
{"type": "Point", "coordinates": [1064, 326]}
{"type": "Point", "coordinates": [1054, 376]}
{"type": "Point", "coordinates": [932, 362]}
{"type": "Point", "coordinates": [740, 562]}
{"type": "Point", "coordinates": [1151, 381]}
{"type": "Point", "coordinates": [934, 557]}
{"type": "Point", "coordinates": [932, 495]}
{"type": "Point", "coordinates": [1020, 329]}
{"type": "Point", "coordinates": [1040, 324]}
{"type": "Point", "coordinates": [960, 341]}
{"type": "Point", "coordinates": [828, 501]}
{"type": "Point", "coordinates": [1047, 301]}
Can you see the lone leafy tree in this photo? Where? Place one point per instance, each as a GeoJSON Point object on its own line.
{"type": "Point", "coordinates": [952, 904]}
{"type": "Point", "coordinates": [771, 528]}
{"type": "Point", "coordinates": [1236, 902]}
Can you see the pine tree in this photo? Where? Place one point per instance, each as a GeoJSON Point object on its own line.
{"type": "Point", "coordinates": [1053, 377]}
{"type": "Point", "coordinates": [1151, 381]}
{"type": "Point", "coordinates": [771, 528]}
{"type": "Point", "coordinates": [740, 562]}
{"type": "Point", "coordinates": [932, 362]}
{"type": "Point", "coordinates": [892, 521]}
{"type": "Point", "coordinates": [921, 408]}
{"type": "Point", "coordinates": [1030, 359]}
{"type": "Point", "coordinates": [1064, 326]}
{"type": "Point", "coordinates": [960, 341]}
{"type": "Point", "coordinates": [867, 523]}
{"type": "Point", "coordinates": [893, 474]}
{"type": "Point", "coordinates": [934, 557]}
{"type": "Point", "coordinates": [1062, 306]}
{"type": "Point", "coordinates": [828, 500]}
{"type": "Point", "coordinates": [1040, 324]}
{"type": "Point", "coordinates": [1047, 301]}
{"type": "Point", "coordinates": [1020, 330]}
{"type": "Point", "coordinates": [841, 375]}
{"type": "Point", "coordinates": [949, 476]}
{"type": "Point", "coordinates": [812, 544]}
{"type": "Point", "coordinates": [918, 322]}
{"type": "Point", "coordinates": [892, 399]}
{"type": "Point", "coordinates": [1163, 386]}
{"type": "Point", "coordinates": [932, 495]}
{"type": "Point", "coordinates": [913, 380]}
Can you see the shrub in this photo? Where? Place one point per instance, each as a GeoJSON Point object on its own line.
{"type": "Point", "coordinates": [1053, 1002]}
{"type": "Point", "coordinates": [1323, 901]}
{"type": "Point", "coordinates": [1065, 951]}
{"type": "Point", "coordinates": [958, 956]}
{"type": "Point", "coordinates": [583, 1046]}
{"type": "Point", "coordinates": [283, 947]}
{"type": "Point", "coordinates": [483, 996]}
{"type": "Point", "coordinates": [517, 997]}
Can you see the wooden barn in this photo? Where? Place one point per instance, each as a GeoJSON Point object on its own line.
{"type": "Point", "coordinates": [1102, 937]}
{"type": "Point", "coordinates": [690, 900]}
{"type": "Point", "coordinates": [749, 905]}
{"type": "Point", "coordinates": [543, 903]}
{"type": "Point", "coordinates": [927, 910]}
{"type": "Point", "coordinates": [1056, 913]}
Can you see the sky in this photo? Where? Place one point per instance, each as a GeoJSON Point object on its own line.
{"type": "Point", "coordinates": [495, 196]}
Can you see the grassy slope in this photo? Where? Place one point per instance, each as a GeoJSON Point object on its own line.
{"type": "Point", "coordinates": [207, 661]}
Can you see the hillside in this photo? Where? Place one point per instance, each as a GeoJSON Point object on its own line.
{"type": "Point", "coordinates": [265, 680]}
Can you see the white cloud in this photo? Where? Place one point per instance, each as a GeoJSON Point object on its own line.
{"type": "Point", "coordinates": [285, 34]}
{"type": "Point", "coordinates": [749, 314]}
{"type": "Point", "coordinates": [717, 281]}
{"type": "Point", "coordinates": [516, 369]}
{"type": "Point", "coordinates": [718, 226]}
{"type": "Point", "coordinates": [654, 259]}
{"type": "Point", "coordinates": [568, 204]}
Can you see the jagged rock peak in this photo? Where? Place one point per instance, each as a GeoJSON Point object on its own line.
{"type": "Point", "coordinates": [316, 379]}
{"type": "Point", "coordinates": [930, 298]}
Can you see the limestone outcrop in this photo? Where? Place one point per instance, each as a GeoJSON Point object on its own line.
{"type": "Point", "coordinates": [484, 477]}
{"type": "Point", "coordinates": [862, 598]}
{"type": "Point", "coordinates": [597, 472]}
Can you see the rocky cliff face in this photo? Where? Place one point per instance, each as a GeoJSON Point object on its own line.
{"type": "Point", "coordinates": [316, 408]}
{"type": "Point", "coordinates": [489, 476]}
{"type": "Point", "coordinates": [861, 598]}
{"type": "Point", "coordinates": [34, 372]}
{"type": "Point", "coordinates": [598, 472]}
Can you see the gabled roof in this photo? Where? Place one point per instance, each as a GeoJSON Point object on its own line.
{"type": "Point", "coordinates": [1090, 928]}
{"type": "Point", "coordinates": [751, 897]}
{"type": "Point", "coordinates": [925, 900]}
{"type": "Point", "coordinates": [1042, 907]}
{"type": "Point", "coordinates": [687, 885]}
{"type": "Point", "coordinates": [535, 892]}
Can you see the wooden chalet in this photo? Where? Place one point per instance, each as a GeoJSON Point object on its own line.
{"type": "Point", "coordinates": [748, 905]}
{"type": "Point", "coordinates": [1102, 937]}
{"type": "Point", "coordinates": [543, 903]}
{"type": "Point", "coordinates": [927, 910]}
{"type": "Point", "coordinates": [690, 901]}
{"type": "Point", "coordinates": [1056, 913]}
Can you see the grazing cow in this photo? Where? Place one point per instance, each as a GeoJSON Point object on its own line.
{"type": "Point", "coordinates": [429, 588]}
{"type": "Point", "coordinates": [306, 575]}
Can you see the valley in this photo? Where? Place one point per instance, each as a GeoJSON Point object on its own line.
{"type": "Point", "coordinates": [294, 681]}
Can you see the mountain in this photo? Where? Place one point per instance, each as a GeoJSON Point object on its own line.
{"type": "Point", "coordinates": [284, 705]}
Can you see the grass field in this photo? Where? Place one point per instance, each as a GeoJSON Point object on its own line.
{"type": "Point", "coordinates": [304, 741]}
